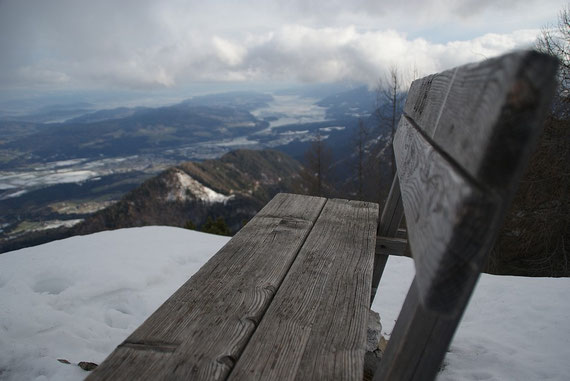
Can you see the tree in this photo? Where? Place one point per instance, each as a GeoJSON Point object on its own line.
{"type": "Point", "coordinates": [218, 226]}
{"type": "Point", "coordinates": [555, 40]}
{"type": "Point", "coordinates": [390, 96]}
{"type": "Point", "coordinates": [315, 174]}
{"type": "Point", "coordinates": [534, 238]}
{"type": "Point", "coordinates": [361, 139]}
{"type": "Point", "coordinates": [189, 225]}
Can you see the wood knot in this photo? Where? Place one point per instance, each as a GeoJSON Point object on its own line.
{"type": "Point", "coordinates": [270, 289]}
{"type": "Point", "coordinates": [227, 360]}
{"type": "Point", "coordinates": [251, 320]}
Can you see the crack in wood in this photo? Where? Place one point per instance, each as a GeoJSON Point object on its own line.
{"type": "Point", "coordinates": [156, 346]}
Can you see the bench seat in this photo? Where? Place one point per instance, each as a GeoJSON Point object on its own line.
{"type": "Point", "coordinates": [286, 298]}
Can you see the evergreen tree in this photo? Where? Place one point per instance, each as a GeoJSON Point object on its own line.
{"type": "Point", "coordinates": [218, 226]}
{"type": "Point", "coordinates": [189, 225]}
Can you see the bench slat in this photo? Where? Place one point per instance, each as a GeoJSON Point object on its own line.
{"type": "Point", "coordinates": [418, 343]}
{"type": "Point", "coordinates": [450, 220]}
{"type": "Point", "coordinates": [460, 149]}
{"type": "Point", "coordinates": [315, 328]}
{"type": "Point", "coordinates": [387, 227]}
{"type": "Point", "coordinates": [204, 326]}
{"type": "Point", "coordinates": [483, 115]}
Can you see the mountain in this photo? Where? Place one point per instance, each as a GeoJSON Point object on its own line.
{"type": "Point", "coordinates": [60, 173]}
{"type": "Point", "coordinates": [123, 132]}
{"type": "Point", "coordinates": [233, 187]}
{"type": "Point", "coordinates": [101, 115]}
{"type": "Point", "coordinates": [44, 114]}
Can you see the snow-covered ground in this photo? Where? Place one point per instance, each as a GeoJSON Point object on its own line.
{"type": "Point", "coordinates": [78, 298]}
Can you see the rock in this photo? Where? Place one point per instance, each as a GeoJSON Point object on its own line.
{"type": "Point", "coordinates": [382, 344]}
{"type": "Point", "coordinates": [373, 353]}
{"type": "Point", "coordinates": [88, 366]}
{"type": "Point", "coordinates": [374, 331]}
{"type": "Point", "coordinates": [63, 361]}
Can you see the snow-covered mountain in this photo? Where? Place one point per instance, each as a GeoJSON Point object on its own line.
{"type": "Point", "coordinates": [233, 187]}
{"type": "Point", "coordinates": [78, 298]}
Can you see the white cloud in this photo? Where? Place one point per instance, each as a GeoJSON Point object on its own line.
{"type": "Point", "coordinates": [148, 44]}
{"type": "Point", "coordinates": [335, 54]}
{"type": "Point", "coordinates": [229, 53]}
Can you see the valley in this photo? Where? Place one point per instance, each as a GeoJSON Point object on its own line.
{"type": "Point", "coordinates": [54, 176]}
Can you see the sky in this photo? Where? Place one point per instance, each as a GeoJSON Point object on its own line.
{"type": "Point", "coordinates": [147, 45]}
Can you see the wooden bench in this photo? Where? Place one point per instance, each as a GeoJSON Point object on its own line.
{"type": "Point", "coordinates": [288, 296]}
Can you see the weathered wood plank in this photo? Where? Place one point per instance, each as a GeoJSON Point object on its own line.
{"type": "Point", "coordinates": [418, 343]}
{"type": "Point", "coordinates": [387, 227]}
{"type": "Point", "coordinates": [402, 233]}
{"type": "Point", "coordinates": [390, 246]}
{"type": "Point", "coordinates": [200, 331]}
{"type": "Point", "coordinates": [315, 328]}
{"type": "Point", "coordinates": [450, 220]}
{"type": "Point", "coordinates": [483, 115]}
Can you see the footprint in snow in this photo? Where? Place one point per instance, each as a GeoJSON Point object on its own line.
{"type": "Point", "coordinates": [52, 286]}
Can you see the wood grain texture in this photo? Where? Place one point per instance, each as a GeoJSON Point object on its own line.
{"type": "Point", "coordinates": [418, 342]}
{"type": "Point", "coordinates": [486, 116]}
{"type": "Point", "coordinates": [450, 220]}
{"type": "Point", "coordinates": [315, 328]}
{"type": "Point", "coordinates": [200, 331]}
{"type": "Point", "coordinates": [387, 227]}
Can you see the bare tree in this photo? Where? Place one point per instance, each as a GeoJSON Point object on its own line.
{"type": "Point", "coordinates": [555, 40]}
{"type": "Point", "coordinates": [318, 159]}
{"type": "Point", "coordinates": [361, 139]}
{"type": "Point", "coordinates": [390, 96]}
{"type": "Point", "coordinates": [534, 238]}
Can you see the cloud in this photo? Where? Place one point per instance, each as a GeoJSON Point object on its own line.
{"type": "Point", "coordinates": [148, 44]}
{"type": "Point", "coordinates": [306, 54]}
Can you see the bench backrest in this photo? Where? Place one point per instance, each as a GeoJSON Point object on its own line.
{"type": "Point", "coordinates": [461, 147]}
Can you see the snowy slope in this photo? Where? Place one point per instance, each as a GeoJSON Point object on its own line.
{"type": "Point", "coordinates": [187, 188]}
{"type": "Point", "coordinates": [514, 328]}
{"type": "Point", "coordinates": [78, 298]}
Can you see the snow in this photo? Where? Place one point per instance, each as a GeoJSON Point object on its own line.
{"type": "Point", "coordinates": [241, 141]}
{"type": "Point", "coordinates": [11, 180]}
{"type": "Point", "coordinates": [514, 328]}
{"type": "Point", "coordinates": [78, 298]}
{"type": "Point", "coordinates": [59, 223]}
{"type": "Point", "coordinates": [13, 195]}
{"type": "Point", "coordinates": [74, 171]}
{"type": "Point", "coordinates": [185, 184]}
{"type": "Point", "coordinates": [334, 128]}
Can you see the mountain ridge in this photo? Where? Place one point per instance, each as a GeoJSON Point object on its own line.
{"type": "Point", "coordinates": [233, 187]}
